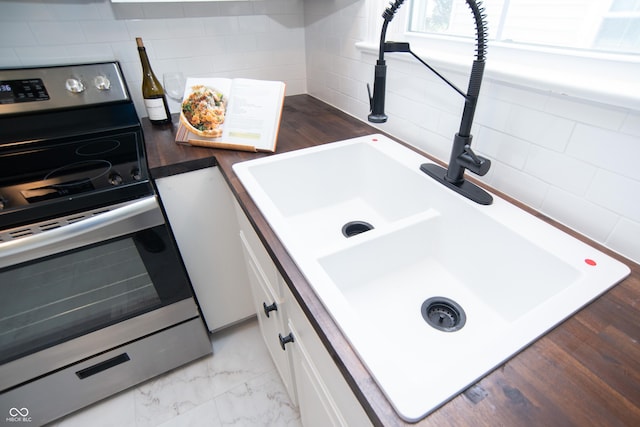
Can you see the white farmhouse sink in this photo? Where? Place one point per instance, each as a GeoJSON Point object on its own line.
{"type": "Point", "coordinates": [499, 277]}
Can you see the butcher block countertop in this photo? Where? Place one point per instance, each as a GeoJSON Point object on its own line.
{"type": "Point", "coordinates": [585, 372]}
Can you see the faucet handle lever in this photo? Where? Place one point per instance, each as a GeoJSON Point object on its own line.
{"type": "Point", "coordinates": [469, 151]}
{"type": "Point", "coordinates": [370, 97]}
{"type": "Point", "coordinates": [476, 164]}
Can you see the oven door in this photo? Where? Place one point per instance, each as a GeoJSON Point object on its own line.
{"type": "Point", "coordinates": [65, 293]}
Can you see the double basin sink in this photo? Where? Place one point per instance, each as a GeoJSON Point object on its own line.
{"type": "Point", "coordinates": [432, 290]}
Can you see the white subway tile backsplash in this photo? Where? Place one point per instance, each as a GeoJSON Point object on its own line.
{"type": "Point", "coordinates": [493, 112]}
{"type": "Point", "coordinates": [293, 39]}
{"type": "Point", "coordinates": [73, 11]}
{"type": "Point", "coordinates": [588, 218]}
{"type": "Point", "coordinates": [265, 7]}
{"type": "Point", "coordinates": [348, 88]}
{"type": "Point", "coordinates": [285, 22]}
{"type": "Point", "coordinates": [20, 10]}
{"type": "Point", "coordinates": [105, 31]}
{"type": "Point", "coordinates": [536, 100]}
{"type": "Point", "coordinates": [57, 33]}
{"type": "Point", "coordinates": [625, 237]}
{"type": "Point", "coordinates": [16, 34]}
{"type": "Point", "coordinates": [616, 193]}
{"type": "Point", "coordinates": [448, 125]}
{"type": "Point", "coordinates": [42, 55]}
{"type": "Point", "coordinates": [235, 8]}
{"type": "Point", "coordinates": [522, 186]}
{"type": "Point", "coordinates": [436, 145]}
{"type": "Point", "coordinates": [606, 149]}
{"type": "Point", "coordinates": [541, 128]}
{"type": "Point", "coordinates": [559, 170]}
{"type": "Point", "coordinates": [125, 51]}
{"type": "Point", "coordinates": [498, 145]}
{"type": "Point", "coordinates": [253, 23]}
{"type": "Point", "coordinates": [186, 28]}
{"type": "Point", "coordinates": [148, 29]}
{"type": "Point", "coordinates": [200, 9]}
{"type": "Point", "coordinates": [163, 10]}
{"type": "Point", "coordinates": [127, 10]}
{"type": "Point", "coordinates": [242, 42]}
{"type": "Point", "coordinates": [586, 112]}
{"type": "Point", "coordinates": [201, 66]}
{"type": "Point", "coordinates": [181, 48]}
{"type": "Point", "coordinates": [631, 124]}
{"type": "Point", "coordinates": [221, 25]}
{"type": "Point", "coordinates": [8, 58]}
{"type": "Point", "coordinates": [89, 52]}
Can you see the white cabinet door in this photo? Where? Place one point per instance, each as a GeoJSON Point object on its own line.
{"type": "Point", "coordinates": [311, 376]}
{"type": "Point", "coordinates": [270, 310]}
{"type": "Point", "coordinates": [201, 214]}
{"type": "Point", "coordinates": [317, 408]}
{"type": "Point", "coordinates": [324, 397]}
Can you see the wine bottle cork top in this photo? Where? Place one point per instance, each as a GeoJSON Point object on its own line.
{"type": "Point", "coordinates": [139, 42]}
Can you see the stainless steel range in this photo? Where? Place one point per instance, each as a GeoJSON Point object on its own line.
{"type": "Point", "coordinates": [94, 297]}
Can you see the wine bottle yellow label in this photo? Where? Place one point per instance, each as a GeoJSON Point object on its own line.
{"type": "Point", "coordinates": [155, 109]}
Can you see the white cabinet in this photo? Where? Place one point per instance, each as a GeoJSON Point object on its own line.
{"type": "Point", "coordinates": [308, 371]}
{"type": "Point", "coordinates": [266, 287]}
{"type": "Point", "coordinates": [199, 206]}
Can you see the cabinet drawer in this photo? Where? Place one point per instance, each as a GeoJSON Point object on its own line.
{"type": "Point", "coordinates": [98, 377]}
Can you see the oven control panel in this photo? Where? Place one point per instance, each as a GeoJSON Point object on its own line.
{"type": "Point", "coordinates": [26, 90]}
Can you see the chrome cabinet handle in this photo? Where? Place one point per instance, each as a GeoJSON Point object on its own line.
{"type": "Point", "coordinates": [269, 308]}
{"type": "Point", "coordinates": [285, 340]}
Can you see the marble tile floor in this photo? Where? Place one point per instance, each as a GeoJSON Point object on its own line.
{"type": "Point", "coordinates": [236, 386]}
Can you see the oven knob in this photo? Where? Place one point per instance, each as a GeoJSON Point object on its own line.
{"type": "Point", "coordinates": [115, 179]}
{"type": "Point", "coordinates": [102, 83]}
{"type": "Point", "coordinates": [74, 85]}
{"type": "Point", "coordinates": [135, 174]}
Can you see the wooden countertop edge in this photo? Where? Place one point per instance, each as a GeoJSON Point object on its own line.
{"type": "Point", "coordinates": [364, 387]}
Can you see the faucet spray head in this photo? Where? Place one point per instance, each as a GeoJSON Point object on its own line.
{"type": "Point", "coordinates": [376, 101]}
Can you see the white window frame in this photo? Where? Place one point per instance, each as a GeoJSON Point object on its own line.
{"type": "Point", "coordinates": [608, 78]}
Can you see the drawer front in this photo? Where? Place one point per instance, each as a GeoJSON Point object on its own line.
{"type": "Point", "coordinates": [81, 384]}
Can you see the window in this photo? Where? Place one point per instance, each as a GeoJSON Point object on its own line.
{"type": "Point", "coordinates": [605, 25]}
{"type": "Point", "coordinates": [584, 48]}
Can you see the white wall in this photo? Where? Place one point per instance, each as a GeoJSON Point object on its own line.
{"type": "Point", "coordinates": [575, 160]}
{"type": "Point", "coordinates": [572, 159]}
{"type": "Point", "coordinates": [261, 39]}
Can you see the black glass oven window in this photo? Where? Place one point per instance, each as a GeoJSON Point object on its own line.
{"type": "Point", "coordinates": [61, 297]}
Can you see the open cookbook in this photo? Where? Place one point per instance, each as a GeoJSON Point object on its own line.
{"type": "Point", "coordinates": [237, 114]}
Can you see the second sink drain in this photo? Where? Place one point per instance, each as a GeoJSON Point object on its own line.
{"type": "Point", "coordinates": [443, 314]}
{"type": "Point", "coordinates": [353, 228]}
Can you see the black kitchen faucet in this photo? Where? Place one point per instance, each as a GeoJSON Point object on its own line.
{"type": "Point", "coordinates": [462, 156]}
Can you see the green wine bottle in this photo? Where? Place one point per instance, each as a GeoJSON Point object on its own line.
{"type": "Point", "coordinates": [155, 100]}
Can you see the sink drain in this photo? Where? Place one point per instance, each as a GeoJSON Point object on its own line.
{"type": "Point", "coordinates": [443, 314]}
{"type": "Point", "coordinates": [355, 227]}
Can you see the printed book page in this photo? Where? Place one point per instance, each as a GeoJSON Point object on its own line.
{"type": "Point", "coordinates": [241, 114]}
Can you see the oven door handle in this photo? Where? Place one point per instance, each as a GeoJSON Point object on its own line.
{"type": "Point", "coordinates": [138, 215]}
